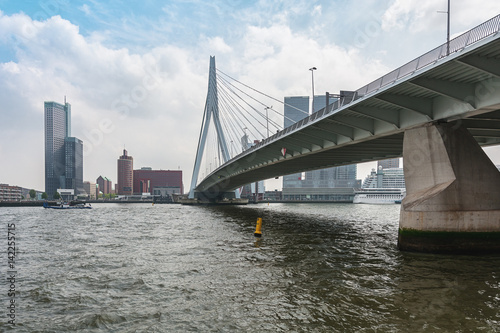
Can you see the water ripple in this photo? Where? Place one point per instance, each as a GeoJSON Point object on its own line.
{"type": "Point", "coordinates": [170, 268]}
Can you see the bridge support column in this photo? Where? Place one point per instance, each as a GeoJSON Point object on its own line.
{"type": "Point", "coordinates": [452, 203]}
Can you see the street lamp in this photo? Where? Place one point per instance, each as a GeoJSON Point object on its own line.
{"type": "Point", "coordinates": [448, 30]}
{"type": "Point", "coordinates": [312, 69]}
{"type": "Point", "coordinates": [267, 118]}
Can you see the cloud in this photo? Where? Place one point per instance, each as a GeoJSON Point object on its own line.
{"type": "Point", "coordinates": [421, 15]}
{"type": "Point", "coordinates": [151, 102]}
{"type": "Point", "coordinates": [151, 99]}
{"type": "Point", "coordinates": [86, 9]}
{"type": "Point", "coordinates": [144, 101]}
{"type": "Point", "coordinates": [218, 45]}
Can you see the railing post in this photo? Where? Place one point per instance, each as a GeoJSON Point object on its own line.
{"type": "Point", "coordinates": [467, 40]}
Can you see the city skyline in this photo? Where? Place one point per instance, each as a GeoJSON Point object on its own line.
{"type": "Point", "coordinates": [136, 75]}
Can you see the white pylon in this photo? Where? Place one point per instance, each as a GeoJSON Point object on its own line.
{"type": "Point", "coordinates": [211, 109]}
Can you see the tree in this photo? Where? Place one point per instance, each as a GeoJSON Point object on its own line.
{"type": "Point", "coordinates": [44, 196]}
{"type": "Point", "coordinates": [57, 195]}
{"type": "Point", "coordinates": [32, 194]}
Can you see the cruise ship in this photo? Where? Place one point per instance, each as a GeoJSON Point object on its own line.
{"type": "Point", "coordinates": [379, 195]}
{"type": "Point", "coordinates": [385, 186]}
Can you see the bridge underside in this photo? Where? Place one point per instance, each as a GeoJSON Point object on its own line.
{"type": "Point", "coordinates": [446, 108]}
{"type": "Point", "coordinates": [463, 87]}
{"type": "Point", "coordinates": [251, 169]}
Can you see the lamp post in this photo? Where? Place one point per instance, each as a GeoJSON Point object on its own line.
{"type": "Point", "coordinates": [267, 118]}
{"type": "Point", "coordinates": [448, 32]}
{"type": "Point", "coordinates": [448, 29]}
{"type": "Point", "coordinates": [312, 69]}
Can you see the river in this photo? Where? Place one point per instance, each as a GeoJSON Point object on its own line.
{"type": "Point", "coordinates": [173, 268]}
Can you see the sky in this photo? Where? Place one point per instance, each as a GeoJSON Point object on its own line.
{"type": "Point", "coordinates": [136, 73]}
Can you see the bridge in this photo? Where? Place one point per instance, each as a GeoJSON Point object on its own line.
{"type": "Point", "coordinates": [435, 111]}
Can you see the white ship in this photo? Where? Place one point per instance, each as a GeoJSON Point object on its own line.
{"type": "Point", "coordinates": [379, 195]}
{"type": "Point", "coordinates": [385, 186]}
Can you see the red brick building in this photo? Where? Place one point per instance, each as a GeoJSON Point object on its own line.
{"type": "Point", "coordinates": [104, 185]}
{"type": "Point", "coordinates": [164, 181]}
{"type": "Point", "coordinates": [125, 174]}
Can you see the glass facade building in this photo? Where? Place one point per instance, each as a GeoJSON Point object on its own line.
{"type": "Point", "coordinates": [388, 164]}
{"type": "Point", "coordinates": [63, 153]}
{"type": "Point", "coordinates": [74, 164]}
{"type": "Point", "coordinates": [55, 115]}
{"type": "Point", "coordinates": [385, 178]}
{"type": "Point", "coordinates": [296, 108]}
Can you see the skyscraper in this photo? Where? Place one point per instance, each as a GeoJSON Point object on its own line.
{"type": "Point", "coordinates": [388, 164]}
{"type": "Point", "coordinates": [296, 108]}
{"type": "Point", "coordinates": [125, 182]}
{"type": "Point", "coordinates": [63, 153]}
{"type": "Point", "coordinates": [74, 164]}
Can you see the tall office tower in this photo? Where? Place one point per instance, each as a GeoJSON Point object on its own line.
{"type": "Point", "coordinates": [388, 164]}
{"type": "Point", "coordinates": [344, 176]}
{"type": "Point", "coordinates": [125, 182]}
{"type": "Point", "coordinates": [59, 175]}
{"type": "Point", "coordinates": [56, 130]}
{"type": "Point", "coordinates": [296, 109]}
{"type": "Point", "coordinates": [74, 164]}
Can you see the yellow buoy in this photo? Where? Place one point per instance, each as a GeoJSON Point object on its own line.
{"type": "Point", "coordinates": [258, 232]}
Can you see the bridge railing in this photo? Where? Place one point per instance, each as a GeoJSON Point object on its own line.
{"type": "Point", "coordinates": [470, 37]}
{"type": "Point", "coordinates": [458, 43]}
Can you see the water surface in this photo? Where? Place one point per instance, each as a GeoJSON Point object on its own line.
{"type": "Point", "coordinates": [172, 268]}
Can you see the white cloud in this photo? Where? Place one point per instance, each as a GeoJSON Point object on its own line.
{"type": "Point", "coordinates": [217, 45]}
{"type": "Point", "coordinates": [11, 67]}
{"type": "Point", "coordinates": [152, 101]}
{"type": "Point", "coordinates": [86, 9]}
{"type": "Point", "coordinates": [144, 101]}
{"type": "Point", "coordinates": [421, 15]}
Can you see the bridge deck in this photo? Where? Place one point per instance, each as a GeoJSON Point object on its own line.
{"type": "Point", "coordinates": [463, 86]}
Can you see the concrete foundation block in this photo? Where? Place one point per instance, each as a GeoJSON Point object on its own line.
{"type": "Point", "coordinates": [453, 193]}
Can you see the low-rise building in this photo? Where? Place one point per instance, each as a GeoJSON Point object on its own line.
{"type": "Point", "coordinates": [91, 189]}
{"type": "Point", "coordinates": [105, 185]}
{"type": "Point", "coordinates": [148, 180]}
{"type": "Point", "coordinates": [10, 193]}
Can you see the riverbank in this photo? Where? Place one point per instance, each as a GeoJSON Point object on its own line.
{"type": "Point", "coordinates": [40, 202]}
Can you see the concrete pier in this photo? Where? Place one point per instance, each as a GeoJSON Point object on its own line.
{"type": "Point", "coordinates": [453, 193]}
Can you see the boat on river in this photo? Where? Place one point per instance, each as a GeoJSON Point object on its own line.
{"type": "Point", "coordinates": [379, 195]}
{"type": "Point", "coordinates": [65, 205]}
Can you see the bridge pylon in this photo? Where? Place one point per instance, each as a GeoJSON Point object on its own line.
{"type": "Point", "coordinates": [211, 113]}
{"type": "Point", "coordinates": [453, 189]}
